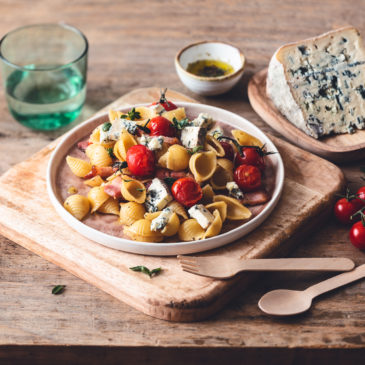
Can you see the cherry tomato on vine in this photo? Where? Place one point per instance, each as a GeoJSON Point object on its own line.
{"type": "Point", "coordinates": [160, 126]}
{"type": "Point", "coordinates": [361, 195]}
{"type": "Point", "coordinates": [345, 208]}
{"type": "Point", "coordinates": [187, 191]}
{"type": "Point", "coordinates": [247, 177]}
{"type": "Point", "coordinates": [357, 235]}
{"type": "Point", "coordinates": [228, 150]}
{"type": "Point", "coordinates": [141, 160]}
{"type": "Point", "coordinates": [166, 104]}
{"type": "Point", "coordinates": [249, 156]}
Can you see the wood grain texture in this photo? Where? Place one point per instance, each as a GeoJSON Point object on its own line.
{"type": "Point", "coordinates": [173, 295]}
{"type": "Point", "coordinates": [339, 148]}
{"type": "Point", "coordinates": [125, 55]}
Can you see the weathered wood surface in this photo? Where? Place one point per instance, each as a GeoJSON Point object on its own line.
{"type": "Point", "coordinates": [338, 148]}
{"type": "Point", "coordinates": [174, 295]}
{"type": "Point", "coordinates": [133, 46]}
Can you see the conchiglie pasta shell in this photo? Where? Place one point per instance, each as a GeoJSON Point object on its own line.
{"type": "Point", "coordinates": [177, 158]}
{"type": "Point", "coordinates": [203, 165]}
{"type": "Point", "coordinates": [221, 206]}
{"type": "Point", "coordinates": [77, 205]}
{"type": "Point", "coordinates": [225, 163]}
{"type": "Point", "coordinates": [113, 115]}
{"type": "Point", "coordinates": [131, 212]}
{"type": "Point", "coordinates": [208, 194]}
{"type": "Point", "coordinates": [133, 190]}
{"type": "Point", "coordinates": [90, 149]}
{"type": "Point", "coordinates": [113, 176]}
{"type": "Point", "coordinates": [212, 144]}
{"type": "Point", "coordinates": [95, 135]}
{"type": "Point", "coordinates": [100, 157]}
{"type": "Point", "coordinates": [78, 167]}
{"type": "Point", "coordinates": [94, 181]}
{"type": "Point", "coordinates": [145, 112]}
{"type": "Point", "coordinates": [235, 210]}
{"type": "Point", "coordinates": [172, 226]}
{"type": "Point", "coordinates": [152, 216]}
{"type": "Point", "coordinates": [97, 197]}
{"type": "Point", "coordinates": [191, 230]}
{"type": "Point", "coordinates": [111, 206]}
{"type": "Point", "coordinates": [220, 178]}
{"type": "Point", "coordinates": [125, 142]}
{"type": "Point", "coordinates": [178, 209]}
{"type": "Point", "coordinates": [246, 139]}
{"type": "Point", "coordinates": [215, 227]}
{"type": "Point", "coordinates": [178, 113]}
{"type": "Point", "coordinates": [141, 231]}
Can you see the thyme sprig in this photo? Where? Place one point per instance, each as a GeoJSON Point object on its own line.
{"type": "Point", "coordinates": [181, 124]}
{"type": "Point", "coordinates": [58, 289]}
{"type": "Point", "coordinates": [146, 270]}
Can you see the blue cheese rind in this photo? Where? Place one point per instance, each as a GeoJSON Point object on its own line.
{"type": "Point", "coordinates": [318, 84]}
{"type": "Point", "coordinates": [158, 196]}
{"type": "Point", "coordinates": [202, 215]}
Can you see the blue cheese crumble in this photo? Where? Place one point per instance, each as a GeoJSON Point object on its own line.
{"type": "Point", "coordinates": [161, 221]}
{"type": "Point", "coordinates": [202, 215]}
{"type": "Point", "coordinates": [117, 127]}
{"type": "Point", "coordinates": [152, 143]}
{"type": "Point", "coordinates": [234, 190]}
{"type": "Point", "coordinates": [203, 120]}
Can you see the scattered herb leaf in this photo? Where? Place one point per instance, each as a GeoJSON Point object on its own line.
{"type": "Point", "coordinates": [144, 129]}
{"type": "Point", "coordinates": [195, 149]}
{"type": "Point", "coordinates": [146, 270]}
{"type": "Point", "coordinates": [106, 126]}
{"type": "Point", "coordinates": [110, 152]}
{"type": "Point", "coordinates": [127, 180]}
{"type": "Point", "coordinates": [58, 289]}
{"type": "Point", "coordinates": [123, 116]}
{"type": "Point", "coordinates": [181, 124]}
{"type": "Point", "coordinates": [140, 189]}
{"type": "Point", "coordinates": [169, 181]}
{"type": "Point", "coordinates": [132, 115]}
{"type": "Point", "coordinates": [120, 165]}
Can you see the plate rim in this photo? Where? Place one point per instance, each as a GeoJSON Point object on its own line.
{"type": "Point", "coordinates": [150, 248]}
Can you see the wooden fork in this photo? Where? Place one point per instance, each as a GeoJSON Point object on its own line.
{"type": "Point", "coordinates": [225, 267]}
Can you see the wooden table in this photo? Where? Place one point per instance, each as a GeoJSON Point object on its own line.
{"type": "Point", "coordinates": [132, 44]}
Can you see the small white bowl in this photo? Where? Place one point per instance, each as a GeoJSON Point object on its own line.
{"type": "Point", "coordinates": [210, 50]}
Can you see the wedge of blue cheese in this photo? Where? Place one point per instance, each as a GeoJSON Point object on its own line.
{"type": "Point", "coordinates": [158, 196]}
{"type": "Point", "coordinates": [193, 136]}
{"type": "Point", "coordinates": [234, 190]}
{"type": "Point", "coordinates": [319, 84]}
{"type": "Point", "coordinates": [116, 128]}
{"type": "Point", "coordinates": [202, 215]}
{"type": "Point", "coordinates": [161, 221]}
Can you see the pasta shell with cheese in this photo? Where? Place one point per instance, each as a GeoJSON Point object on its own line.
{"type": "Point", "coordinates": [221, 206]}
{"type": "Point", "coordinates": [100, 156]}
{"type": "Point", "coordinates": [131, 212]}
{"type": "Point", "coordinates": [191, 230]}
{"type": "Point", "coordinates": [97, 197]}
{"type": "Point", "coordinates": [172, 226]}
{"type": "Point", "coordinates": [77, 205]}
{"type": "Point", "coordinates": [177, 158]}
{"type": "Point", "coordinates": [95, 139]}
{"type": "Point", "coordinates": [141, 231]}
{"type": "Point", "coordinates": [78, 167]}
{"type": "Point", "coordinates": [203, 165]}
{"type": "Point", "coordinates": [111, 206]}
{"type": "Point", "coordinates": [133, 190]}
{"type": "Point", "coordinates": [246, 139]}
{"type": "Point", "coordinates": [212, 144]}
{"type": "Point", "coordinates": [215, 227]}
{"type": "Point", "coordinates": [235, 210]}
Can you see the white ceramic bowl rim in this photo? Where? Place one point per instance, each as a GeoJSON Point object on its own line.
{"type": "Point", "coordinates": [164, 249]}
{"type": "Point", "coordinates": [211, 78]}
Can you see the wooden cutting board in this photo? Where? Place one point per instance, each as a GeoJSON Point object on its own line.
{"type": "Point", "coordinates": [28, 218]}
{"type": "Point", "coordinates": [339, 148]}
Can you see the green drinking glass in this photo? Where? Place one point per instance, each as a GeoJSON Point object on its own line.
{"type": "Point", "coordinates": [44, 74]}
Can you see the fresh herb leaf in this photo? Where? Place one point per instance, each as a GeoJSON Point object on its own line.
{"type": "Point", "coordinates": [146, 270]}
{"type": "Point", "coordinates": [144, 129]}
{"type": "Point", "coordinates": [181, 124]}
{"type": "Point", "coordinates": [127, 180]}
{"type": "Point", "coordinates": [195, 149]}
{"type": "Point", "coordinates": [169, 181]}
{"type": "Point", "coordinates": [120, 165]}
{"type": "Point", "coordinates": [140, 189]}
{"type": "Point", "coordinates": [123, 116]}
{"type": "Point", "coordinates": [110, 152]}
{"type": "Point", "coordinates": [58, 289]}
{"type": "Point", "coordinates": [132, 115]}
{"type": "Point", "coordinates": [106, 126]}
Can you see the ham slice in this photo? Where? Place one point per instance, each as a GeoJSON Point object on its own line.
{"type": "Point", "coordinates": [83, 145]}
{"type": "Point", "coordinates": [113, 188]}
{"type": "Point", "coordinates": [102, 171]}
{"type": "Point", "coordinates": [162, 173]}
{"type": "Point", "coordinates": [255, 198]}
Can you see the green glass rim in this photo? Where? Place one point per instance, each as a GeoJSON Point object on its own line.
{"type": "Point", "coordinates": [61, 25]}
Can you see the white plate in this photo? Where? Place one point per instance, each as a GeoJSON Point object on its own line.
{"type": "Point", "coordinates": [163, 249]}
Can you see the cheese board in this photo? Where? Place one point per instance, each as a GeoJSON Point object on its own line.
{"type": "Point", "coordinates": [337, 148]}
{"type": "Point", "coordinates": [28, 218]}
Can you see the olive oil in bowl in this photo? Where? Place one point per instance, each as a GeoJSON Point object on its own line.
{"type": "Point", "coordinates": [210, 68]}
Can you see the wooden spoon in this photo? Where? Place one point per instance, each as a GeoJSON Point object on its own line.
{"type": "Point", "coordinates": [284, 302]}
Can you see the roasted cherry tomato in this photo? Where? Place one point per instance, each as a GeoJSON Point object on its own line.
{"type": "Point", "coordinates": [228, 150]}
{"type": "Point", "coordinates": [345, 208]}
{"type": "Point", "coordinates": [249, 156]}
{"type": "Point", "coordinates": [160, 126]}
{"type": "Point", "coordinates": [247, 177]}
{"type": "Point", "coordinates": [166, 104]}
{"type": "Point", "coordinates": [357, 235]}
{"type": "Point", "coordinates": [141, 160]}
{"type": "Point", "coordinates": [361, 194]}
{"type": "Point", "coordinates": [187, 191]}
